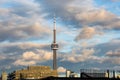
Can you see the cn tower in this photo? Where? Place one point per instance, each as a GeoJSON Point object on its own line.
{"type": "Point", "coordinates": [54, 46]}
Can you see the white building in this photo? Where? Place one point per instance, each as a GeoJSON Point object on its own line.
{"type": "Point", "coordinates": [71, 74]}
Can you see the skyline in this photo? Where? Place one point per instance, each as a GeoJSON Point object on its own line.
{"type": "Point", "coordinates": [88, 33]}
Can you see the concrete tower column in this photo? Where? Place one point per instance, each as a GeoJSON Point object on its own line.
{"type": "Point", "coordinates": [54, 47]}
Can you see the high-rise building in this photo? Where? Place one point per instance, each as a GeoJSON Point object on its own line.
{"type": "Point", "coordinates": [33, 72]}
{"type": "Point", "coordinates": [54, 47]}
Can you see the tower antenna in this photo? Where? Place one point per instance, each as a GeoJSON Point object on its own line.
{"type": "Point", "coordinates": [54, 22]}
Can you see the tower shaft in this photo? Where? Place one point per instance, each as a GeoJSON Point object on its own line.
{"type": "Point", "coordinates": [54, 37]}
{"type": "Point", "coordinates": [54, 60]}
{"type": "Point", "coordinates": [54, 47]}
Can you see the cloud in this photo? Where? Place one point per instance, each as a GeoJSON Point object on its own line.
{"type": "Point", "coordinates": [108, 52]}
{"type": "Point", "coordinates": [116, 53]}
{"type": "Point", "coordinates": [22, 24]}
{"type": "Point", "coordinates": [116, 67]}
{"type": "Point", "coordinates": [33, 57]}
{"type": "Point", "coordinates": [3, 1]}
{"type": "Point", "coordinates": [115, 0]}
{"type": "Point", "coordinates": [40, 55]}
{"type": "Point", "coordinates": [95, 16]}
{"type": "Point", "coordinates": [24, 53]}
{"type": "Point", "coordinates": [5, 67]}
{"type": "Point", "coordinates": [112, 45]}
{"type": "Point", "coordinates": [111, 60]}
{"type": "Point", "coordinates": [30, 55]}
{"type": "Point", "coordinates": [115, 24]}
{"type": "Point", "coordinates": [61, 70]}
{"type": "Point", "coordinates": [87, 33]}
{"type": "Point", "coordinates": [38, 30]}
{"type": "Point", "coordinates": [4, 11]}
{"type": "Point", "coordinates": [112, 56]}
{"type": "Point", "coordinates": [32, 45]}
{"type": "Point", "coordinates": [2, 57]}
{"type": "Point", "coordinates": [65, 11]}
{"type": "Point", "coordinates": [79, 55]}
{"type": "Point", "coordinates": [22, 33]}
{"type": "Point", "coordinates": [77, 14]}
{"type": "Point", "coordinates": [26, 20]}
{"type": "Point", "coordinates": [20, 47]}
{"type": "Point", "coordinates": [30, 20]}
{"type": "Point", "coordinates": [24, 63]}
{"type": "Point", "coordinates": [30, 8]}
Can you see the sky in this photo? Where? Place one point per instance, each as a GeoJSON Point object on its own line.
{"type": "Point", "coordinates": [88, 34]}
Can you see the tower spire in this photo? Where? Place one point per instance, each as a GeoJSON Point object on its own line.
{"type": "Point", "coordinates": [54, 46]}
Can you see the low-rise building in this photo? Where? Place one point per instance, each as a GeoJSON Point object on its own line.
{"type": "Point", "coordinates": [4, 76]}
{"type": "Point", "coordinates": [33, 72]}
{"type": "Point", "coordinates": [71, 74]}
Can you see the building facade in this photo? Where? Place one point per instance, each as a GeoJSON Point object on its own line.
{"type": "Point", "coordinates": [33, 72]}
{"type": "Point", "coordinates": [4, 76]}
{"type": "Point", "coordinates": [93, 73]}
